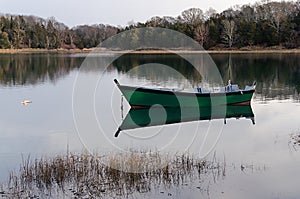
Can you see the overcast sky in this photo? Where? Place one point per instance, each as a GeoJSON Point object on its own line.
{"type": "Point", "coordinates": [115, 12]}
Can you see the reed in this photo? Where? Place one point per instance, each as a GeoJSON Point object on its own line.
{"type": "Point", "coordinates": [113, 175]}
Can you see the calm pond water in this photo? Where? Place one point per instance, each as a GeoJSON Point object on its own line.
{"type": "Point", "coordinates": [79, 107]}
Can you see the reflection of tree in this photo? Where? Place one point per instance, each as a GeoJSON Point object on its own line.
{"type": "Point", "coordinates": [182, 66]}
{"type": "Point", "coordinates": [34, 69]}
{"type": "Point", "coordinates": [277, 75]}
{"type": "Point", "coordinates": [228, 73]}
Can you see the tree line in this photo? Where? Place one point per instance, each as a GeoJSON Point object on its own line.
{"type": "Point", "coordinates": [263, 24]}
{"type": "Point", "coordinates": [35, 32]}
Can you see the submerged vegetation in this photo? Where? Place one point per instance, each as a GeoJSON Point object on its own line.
{"type": "Point", "coordinates": [263, 24]}
{"type": "Point", "coordinates": [89, 176]}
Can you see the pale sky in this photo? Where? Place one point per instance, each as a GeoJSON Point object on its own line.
{"type": "Point", "coordinates": [114, 12]}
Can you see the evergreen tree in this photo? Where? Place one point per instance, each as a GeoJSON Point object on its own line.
{"type": "Point", "coordinates": [4, 42]}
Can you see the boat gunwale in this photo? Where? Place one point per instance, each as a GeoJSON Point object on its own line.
{"type": "Point", "coordinates": [170, 92]}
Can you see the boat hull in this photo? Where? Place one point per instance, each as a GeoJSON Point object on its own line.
{"type": "Point", "coordinates": [139, 97]}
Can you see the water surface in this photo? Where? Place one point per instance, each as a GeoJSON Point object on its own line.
{"type": "Point", "coordinates": [262, 159]}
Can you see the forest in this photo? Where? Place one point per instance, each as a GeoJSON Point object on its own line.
{"type": "Point", "coordinates": [264, 24]}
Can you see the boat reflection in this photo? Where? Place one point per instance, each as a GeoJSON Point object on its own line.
{"type": "Point", "coordinates": [155, 116]}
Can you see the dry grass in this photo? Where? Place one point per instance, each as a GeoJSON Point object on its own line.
{"type": "Point", "coordinates": [86, 176]}
{"type": "Point", "coordinates": [145, 51]}
{"type": "Point", "coordinates": [40, 50]}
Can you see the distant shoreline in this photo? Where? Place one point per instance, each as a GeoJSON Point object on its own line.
{"type": "Point", "coordinates": [95, 50]}
{"type": "Point", "coordinates": [42, 51]}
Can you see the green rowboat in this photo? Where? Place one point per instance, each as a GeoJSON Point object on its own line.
{"type": "Point", "coordinates": [141, 97]}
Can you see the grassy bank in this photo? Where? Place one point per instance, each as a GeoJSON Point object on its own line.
{"type": "Point", "coordinates": [75, 51]}
{"type": "Point", "coordinates": [37, 50]}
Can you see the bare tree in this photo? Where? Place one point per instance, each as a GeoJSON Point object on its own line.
{"type": "Point", "coordinates": [275, 12]}
{"type": "Point", "coordinates": [228, 31]}
{"type": "Point", "coordinates": [201, 33]}
{"type": "Point", "coordinates": [231, 12]}
{"type": "Point", "coordinates": [154, 21]}
{"type": "Point", "coordinates": [247, 13]}
{"type": "Point", "coordinates": [110, 31]}
{"type": "Point", "coordinates": [210, 13]}
{"type": "Point", "coordinates": [193, 16]}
